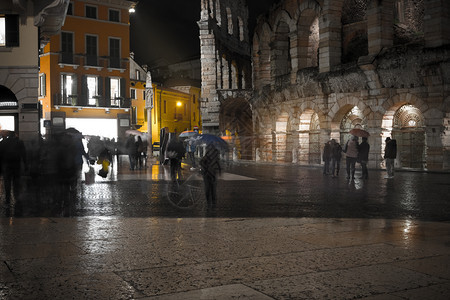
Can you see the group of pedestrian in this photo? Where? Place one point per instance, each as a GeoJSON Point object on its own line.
{"type": "Point", "coordinates": [136, 149]}
{"type": "Point", "coordinates": [332, 154]}
{"type": "Point", "coordinates": [356, 152]}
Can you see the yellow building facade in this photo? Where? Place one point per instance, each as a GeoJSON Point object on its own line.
{"type": "Point", "coordinates": [177, 108]}
{"type": "Point", "coordinates": [84, 79]}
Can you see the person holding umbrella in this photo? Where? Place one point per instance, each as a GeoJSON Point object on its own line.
{"type": "Point", "coordinates": [210, 166]}
{"type": "Point", "coordinates": [175, 153]}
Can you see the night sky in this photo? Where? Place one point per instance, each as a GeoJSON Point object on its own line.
{"type": "Point", "coordinates": [168, 29]}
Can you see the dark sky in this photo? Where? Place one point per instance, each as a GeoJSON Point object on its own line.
{"type": "Point", "coordinates": [168, 29]}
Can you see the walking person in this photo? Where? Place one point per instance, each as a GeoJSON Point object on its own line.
{"type": "Point", "coordinates": [12, 155]}
{"type": "Point", "coordinates": [363, 157]}
{"type": "Point", "coordinates": [351, 153]}
{"type": "Point", "coordinates": [390, 154]}
{"type": "Point", "coordinates": [190, 149]}
{"type": "Point", "coordinates": [336, 155]}
{"type": "Point", "coordinates": [326, 157]}
{"type": "Point", "coordinates": [210, 166]}
{"type": "Point", "coordinates": [131, 151]}
{"type": "Point", "coordinates": [175, 153]}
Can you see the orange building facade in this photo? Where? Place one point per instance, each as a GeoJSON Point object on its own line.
{"type": "Point", "coordinates": [84, 79]}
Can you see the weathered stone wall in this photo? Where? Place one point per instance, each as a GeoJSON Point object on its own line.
{"type": "Point", "coordinates": [401, 91]}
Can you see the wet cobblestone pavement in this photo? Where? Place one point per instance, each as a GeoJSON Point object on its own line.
{"type": "Point", "coordinates": [279, 232]}
{"type": "Point", "coordinates": [251, 190]}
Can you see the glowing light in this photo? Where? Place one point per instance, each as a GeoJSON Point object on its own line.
{"type": "Point", "coordinates": [132, 10]}
{"type": "Point", "coordinates": [179, 104]}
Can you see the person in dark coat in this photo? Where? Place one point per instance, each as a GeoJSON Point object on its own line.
{"type": "Point", "coordinates": [12, 155]}
{"type": "Point", "coordinates": [175, 153]}
{"type": "Point", "coordinates": [326, 157]}
{"type": "Point", "coordinates": [390, 154]}
{"type": "Point", "coordinates": [336, 155]}
{"type": "Point", "coordinates": [210, 166]}
{"type": "Point", "coordinates": [131, 151]}
{"type": "Point", "coordinates": [363, 157]}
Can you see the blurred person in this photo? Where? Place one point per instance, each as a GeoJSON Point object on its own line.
{"type": "Point", "coordinates": [336, 154]}
{"type": "Point", "coordinates": [139, 153]}
{"type": "Point", "coordinates": [351, 153]}
{"type": "Point", "coordinates": [390, 154]}
{"type": "Point", "coordinates": [131, 149]}
{"type": "Point", "coordinates": [12, 155]}
{"type": "Point", "coordinates": [210, 166]}
{"type": "Point", "coordinates": [175, 153]}
{"type": "Point", "coordinates": [326, 157]}
{"type": "Point", "coordinates": [190, 149]}
{"type": "Point", "coordinates": [363, 157]}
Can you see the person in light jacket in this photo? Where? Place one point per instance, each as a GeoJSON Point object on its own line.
{"type": "Point", "coordinates": [351, 152]}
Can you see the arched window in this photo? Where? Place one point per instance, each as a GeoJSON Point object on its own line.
{"type": "Point", "coordinates": [229, 21]}
{"type": "Point", "coordinates": [241, 29]}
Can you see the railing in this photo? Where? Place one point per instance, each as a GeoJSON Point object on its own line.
{"type": "Point", "coordinates": [93, 61]}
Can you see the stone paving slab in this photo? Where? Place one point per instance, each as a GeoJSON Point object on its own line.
{"type": "Point", "coordinates": [223, 258]}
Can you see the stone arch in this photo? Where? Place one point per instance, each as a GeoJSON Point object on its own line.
{"type": "Point", "coordinates": [262, 56]}
{"type": "Point", "coordinates": [230, 28]}
{"type": "Point", "coordinates": [354, 30]}
{"type": "Point", "coordinates": [9, 118]}
{"type": "Point", "coordinates": [280, 47]}
{"type": "Point", "coordinates": [404, 120]}
{"type": "Point", "coordinates": [236, 122]}
{"type": "Point", "coordinates": [348, 113]}
{"type": "Point", "coordinates": [308, 34]}
{"type": "Point", "coordinates": [280, 137]}
{"type": "Point", "coordinates": [309, 130]}
{"type": "Point", "coordinates": [264, 134]}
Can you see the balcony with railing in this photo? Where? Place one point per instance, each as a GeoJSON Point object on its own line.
{"type": "Point", "coordinates": [95, 102]}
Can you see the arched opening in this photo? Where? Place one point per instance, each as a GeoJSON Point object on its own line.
{"type": "Point", "coordinates": [241, 29]}
{"type": "Point", "coordinates": [9, 114]}
{"type": "Point", "coordinates": [280, 139]}
{"type": "Point", "coordinates": [308, 39]}
{"type": "Point", "coordinates": [409, 131]}
{"type": "Point", "coordinates": [229, 21]}
{"type": "Point", "coordinates": [280, 51]}
{"type": "Point", "coordinates": [408, 21]}
{"type": "Point", "coordinates": [236, 124]}
{"type": "Point", "coordinates": [405, 123]}
{"type": "Point", "coordinates": [354, 30]}
{"type": "Point", "coordinates": [354, 118]}
{"type": "Point", "coordinates": [309, 138]}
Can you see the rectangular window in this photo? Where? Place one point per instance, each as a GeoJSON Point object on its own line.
{"type": "Point", "coordinates": [9, 31]}
{"type": "Point", "coordinates": [91, 50]}
{"type": "Point", "coordinates": [143, 94]}
{"type": "Point", "coordinates": [185, 109]}
{"type": "Point", "coordinates": [70, 9]}
{"type": "Point", "coordinates": [67, 47]}
{"type": "Point", "coordinates": [41, 85]}
{"type": "Point", "coordinates": [165, 107]}
{"type": "Point", "coordinates": [67, 89]}
{"type": "Point", "coordinates": [114, 15]}
{"type": "Point", "coordinates": [92, 85]}
{"type": "Point", "coordinates": [115, 91]}
{"type": "Point", "coordinates": [91, 12]}
{"type": "Point", "coordinates": [114, 53]}
{"type": "Point", "coordinates": [138, 75]}
{"type": "Point", "coordinates": [133, 93]}
{"type": "Point", "coordinates": [194, 117]}
{"type": "Point", "coordinates": [193, 98]}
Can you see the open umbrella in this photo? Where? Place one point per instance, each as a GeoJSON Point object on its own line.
{"type": "Point", "coordinates": [188, 134]}
{"type": "Point", "coordinates": [359, 132]}
{"type": "Point", "coordinates": [207, 139]}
